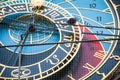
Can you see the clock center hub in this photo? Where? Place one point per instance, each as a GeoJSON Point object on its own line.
{"type": "Point", "coordinates": [31, 27]}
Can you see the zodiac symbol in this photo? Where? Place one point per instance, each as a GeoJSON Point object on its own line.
{"type": "Point", "coordinates": [23, 72]}
{"type": "Point", "coordinates": [55, 58]}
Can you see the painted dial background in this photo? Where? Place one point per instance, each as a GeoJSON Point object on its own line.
{"type": "Point", "coordinates": [89, 13]}
{"type": "Point", "coordinates": [36, 38]}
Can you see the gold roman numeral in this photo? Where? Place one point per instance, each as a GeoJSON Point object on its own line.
{"type": "Point", "coordinates": [88, 66]}
{"type": "Point", "coordinates": [100, 54]}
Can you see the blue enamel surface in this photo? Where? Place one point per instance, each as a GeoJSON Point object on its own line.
{"type": "Point", "coordinates": [47, 65]}
{"type": "Point", "coordinates": [16, 34]}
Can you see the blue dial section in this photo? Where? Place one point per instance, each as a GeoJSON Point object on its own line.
{"type": "Point", "coordinates": [45, 32]}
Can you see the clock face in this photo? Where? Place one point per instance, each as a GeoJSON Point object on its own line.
{"type": "Point", "coordinates": [42, 45]}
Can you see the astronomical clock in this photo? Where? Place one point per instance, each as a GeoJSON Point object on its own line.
{"type": "Point", "coordinates": [59, 39]}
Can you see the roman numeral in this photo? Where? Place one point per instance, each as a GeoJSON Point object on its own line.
{"type": "Point", "coordinates": [68, 39]}
{"type": "Point", "coordinates": [88, 67]}
{"type": "Point", "coordinates": [100, 54]}
{"type": "Point", "coordinates": [54, 14]}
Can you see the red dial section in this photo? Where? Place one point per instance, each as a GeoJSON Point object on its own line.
{"type": "Point", "coordinates": [90, 55]}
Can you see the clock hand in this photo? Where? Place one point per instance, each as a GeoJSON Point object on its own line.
{"type": "Point", "coordinates": [48, 28]}
{"type": "Point", "coordinates": [15, 51]}
{"type": "Point", "coordinates": [87, 33]}
{"type": "Point", "coordinates": [83, 41]}
{"type": "Point", "coordinates": [29, 30]}
{"type": "Point", "coordinates": [21, 45]}
{"type": "Point", "coordinates": [42, 30]}
{"type": "Point", "coordinates": [21, 48]}
{"type": "Point", "coordinates": [71, 21]}
{"type": "Point", "coordinates": [67, 23]}
{"type": "Point", "coordinates": [22, 41]}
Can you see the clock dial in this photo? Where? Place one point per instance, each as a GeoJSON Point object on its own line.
{"type": "Point", "coordinates": [86, 50]}
{"type": "Point", "coordinates": [47, 59]}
